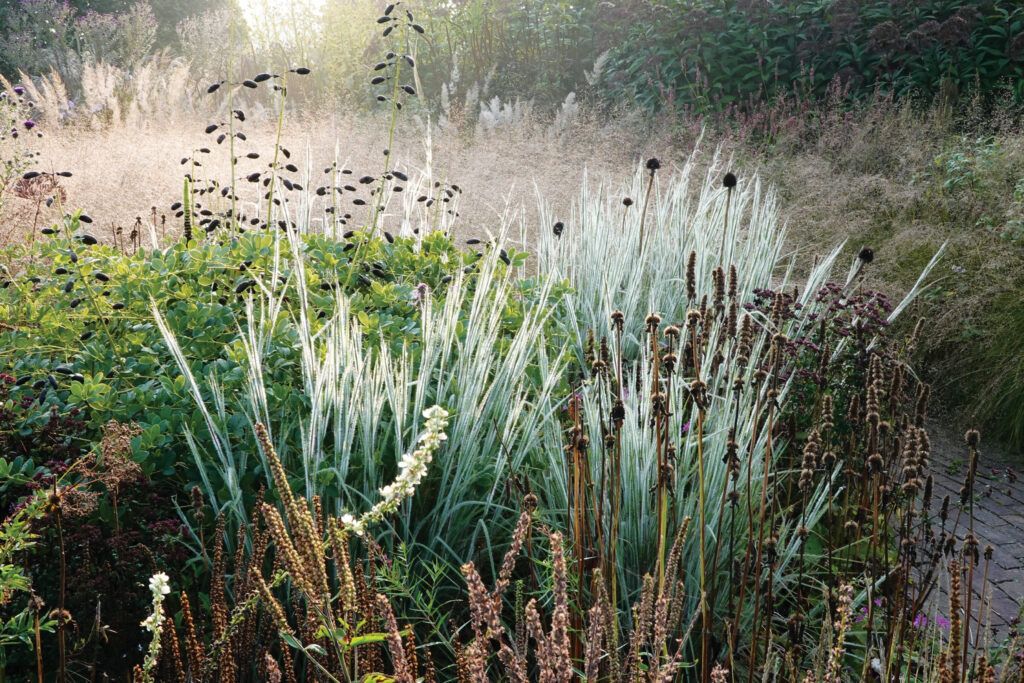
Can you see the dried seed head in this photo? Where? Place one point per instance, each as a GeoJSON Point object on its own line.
{"type": "Point", "coordinates": [729, 181]}
{"type": "Point", "coordinates": [866, 255]}
{"type": "Point", "coordinates": [618, 319]}
{"type": "Point", "coordinates": [691, 276]}
{"type": "Point", "coordinates": [973, 438]}
{"type": "Point", "coordinates": [653, 164]}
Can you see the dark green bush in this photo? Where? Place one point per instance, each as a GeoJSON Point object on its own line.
{"type": "Point", "coordinates": [728, 54]}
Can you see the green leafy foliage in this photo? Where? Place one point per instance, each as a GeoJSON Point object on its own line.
{"type": "Point", "coordinates": [80, 330]}
{"type": "Point", "coordinates": [722, 55]}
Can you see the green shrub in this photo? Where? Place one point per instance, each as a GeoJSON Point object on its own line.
{"type": "Point", "coordinates": [724, 55]}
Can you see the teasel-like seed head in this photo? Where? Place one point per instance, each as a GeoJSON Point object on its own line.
{"type": "Point", "coordinates": [910, 487]}
{"type": "Point", "coordinates": [618, 413]}
{"type": "Point", "coordinates": [828, 459]}
{"type": "Point", "coordinates": [718, 279]}
{"type": "Point", "coordinates": [827, 419]}
{"type": "Point", "coordinates": [691, 276]}
{"type": "Point", "coordinates": [668, 360]}
{"type": "Point", "coordinates": [875, 462]}
{"type": "Point", "coordinates": [734, 497]}
{"type": "Point", "coordinates": [699, 392]}
{"type": "Point", "coordinates": [853, 414]}
{"type": "Point", "coordinates": [693, 318]}
{"type": "Point", "coordinates": [652, 322]}
{"type": "Point", "coordinates": [731, 320]}
{"type": "Point", "coordinates": [198, 509]}
{"type": "Point", "coordinates": [850, 527]}
{"type": "Point", "coordinates": [617, 320]}
{"type": "Point", "coordinates": [771, 550]}
{"type": "Point", "coordinates": [672, 333]}
{"type": "Point", "coordinates": [973, 438]}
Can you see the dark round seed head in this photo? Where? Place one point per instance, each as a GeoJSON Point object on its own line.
{"type": "Point", "coordinates": [653, 164]}
{"type": "Point", "coordinates": [867, 255]}
{"type": "Point", "coordinates": [729, 181]}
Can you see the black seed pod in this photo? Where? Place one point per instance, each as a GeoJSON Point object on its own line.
{"type": "Point", "coordinates": [729, 181]}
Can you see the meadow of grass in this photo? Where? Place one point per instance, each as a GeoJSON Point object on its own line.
{"type": "Point", "coordinates": [482, 393]}
{"type": "Point", "coordinates": [888, 175]}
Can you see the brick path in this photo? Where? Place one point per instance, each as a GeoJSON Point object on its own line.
{"type": "Point", "coordinates": [998, 515]}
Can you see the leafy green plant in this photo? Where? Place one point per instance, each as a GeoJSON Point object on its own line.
{"type": "Point", "coordinates": [717, 55]}
{"type": "Point", "coordinates": [79, 317]}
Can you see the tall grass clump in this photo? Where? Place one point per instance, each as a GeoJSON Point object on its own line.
{"type": "Point", "coordinates": [695, 345]}
{"type": "Point", "coordinates": [362, 401]}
